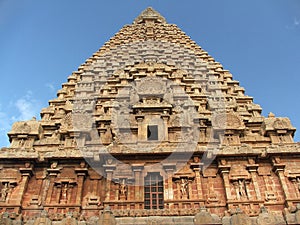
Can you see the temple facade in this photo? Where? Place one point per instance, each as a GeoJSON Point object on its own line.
{"type": "Point", "coordinates": [151, 130]}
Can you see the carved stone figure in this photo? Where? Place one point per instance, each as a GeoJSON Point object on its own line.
{"type": "Point", "coordinates": [184, 187]}
{"type": "Point", "coordinates": [64, 193]}
{"type": "Point", "coordinates": [240, 188]}
{"type": "Point", "coordinates": [4, 192]}
{"type": "Point", "coordinates": [123, 188]}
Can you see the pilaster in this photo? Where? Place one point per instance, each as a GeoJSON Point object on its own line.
{"type": "Point", "coordinates": [109, 169]}
{"type": "Point", "coordinates": [139, 183]}
{"type": "Point", "coordinates": [252, 168]}
{"type": "Point", "coordinates": [197, 168]}
{"type": "Point", "coordinates": [81, 174]}
{"type": "Point", "coordinates": [169, 168]}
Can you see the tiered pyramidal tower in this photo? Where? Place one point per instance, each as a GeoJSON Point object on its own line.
{"type": "Point", "coordinates": [151, 130]}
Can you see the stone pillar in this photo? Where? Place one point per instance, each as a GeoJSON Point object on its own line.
{"type": "Point", "coordinates": [197, 168]}
{"type": "Point", "coordinates": [139, 184]}
{"type": "Point", "coordinates": [109, 169]}
{"type": "Point", "coordinates": [169, 168]}
{"type": "Point", "coordinates": [224, 171]}
{"type": "Point", "coordinates": [166, 131]}
{"type": "Point", "coordinates": [252, 168]}
{"type": "Point", "coordinates": [81, 174]}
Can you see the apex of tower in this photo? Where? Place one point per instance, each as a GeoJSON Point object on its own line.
{"type": "Point", "coordinates": [150, 15]}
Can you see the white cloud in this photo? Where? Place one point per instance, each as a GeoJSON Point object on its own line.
{"type": "Point", "coordinates": [50, 86]}
{"type": "Point", "coordinates": [21, 109]}
{"type": "Point", "coordinates": [294, 25]}
{"type": "Point", "coordinates": [27, 107]}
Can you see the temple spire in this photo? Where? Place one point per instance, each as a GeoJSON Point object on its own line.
{"type": "Point", "coordinates": [149, 14]}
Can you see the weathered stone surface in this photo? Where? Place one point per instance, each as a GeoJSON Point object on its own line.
{"type": "Point", "coordinates": [5, 220]}
{"type": "Point", "coordinates": [204, 217]}
{"type": "Point", "coordinates": [43, 219]}
{"type": "Point", "coordinates": [240, 218]}
{"type": "Point", "coordinates": [69, 220]}
{"type": "Point", "coordinates": [107, 218]}
{"type": "Point", "coordinates": [297, 214]}
{"type": "Point", "coordinates": [266, 218]}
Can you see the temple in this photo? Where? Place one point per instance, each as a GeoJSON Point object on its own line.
{"type": "Point", "coordinates": [151, 130]}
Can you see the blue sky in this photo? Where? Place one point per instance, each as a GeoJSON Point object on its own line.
{"type": "Point", "coordinates": [42, 42]}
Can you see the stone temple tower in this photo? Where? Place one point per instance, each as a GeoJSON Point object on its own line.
{"type": "Point", "coordinates": [151, 130]}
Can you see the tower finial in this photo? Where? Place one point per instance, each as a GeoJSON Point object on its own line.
{"type": "Point", "coordinates": [150, 14]}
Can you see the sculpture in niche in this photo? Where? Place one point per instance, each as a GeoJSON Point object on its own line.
{"type": "Point", "coordinates": [64, 193]}
{"type": "Point", "coordinates": [123, 188]}
{"type": "Point", "coordinates": [240, 189]}
{"type": "Point", "coordinates": [64, 190]}
{"type": "Point", "coordinates": [54, 165]}
{"type": "Point", "coordinates": [73, 142]}
{"type": "Point", "coordinates": [184, 187]}
{"type": "Point", "coordinates": [4, 191]}
{"type": "Point", "coordinates": [21, 143]}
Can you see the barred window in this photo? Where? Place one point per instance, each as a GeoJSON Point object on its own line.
{"type": "Point", "coordinates": [154, 191]}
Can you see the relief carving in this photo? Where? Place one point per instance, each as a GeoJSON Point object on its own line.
{"type": "Point", "coordinates": [184, 188]}
{"type": "Point", "coordinates": [123, 190]}
{"type": "Point", "coordinates": [227, 121]}
{"type": "Point", "coordinates": [66, 123]}
{"type": "Point", "coordinates": [151, 87]}
{"type": "Point", "coordinates": [240, 180]}
{"type": "Point", "coordinates": [5, 189]}
{"type": "Point", "coordinates": [241, 189]}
